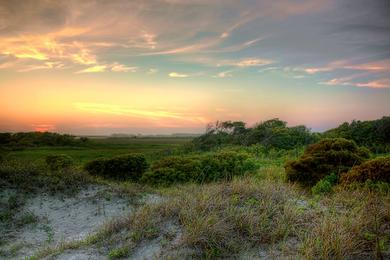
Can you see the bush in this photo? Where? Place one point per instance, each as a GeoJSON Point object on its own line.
{"type": "Point", "coordinates": [122, 167]}
{"type": "Point", "coordinates": [325, 185]}
{"type": "Point", "coordinates": [199, 168]}
{"type": "Point", "coordinates": [34, 177]}
{"type": "Point", "coordinates": [225, 165]}
{"type": "Point", "coordinates": [329, 155]}
{"type": "Point", "coordinates": [56, 162]}
{"type": "Point", "coordinates": [375, 170]}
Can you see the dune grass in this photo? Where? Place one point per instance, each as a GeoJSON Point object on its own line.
{"type": "Point", "coordinates": [252, 216]}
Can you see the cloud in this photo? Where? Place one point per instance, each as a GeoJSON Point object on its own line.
{"type": "Point", "coordinates": [252, 62]}
{"type": "Point", "coordinates": [381, 83]}
{"type": "Point", "coordinates": [223, 74]}
{"type": "Point", "coordinates": [316, 70]}
{"type": "Point", "coordinates": [152, 71]}
{"type": "Point", "coordinates": [372, 66]}
{"type": "Point", "coordinates": [177, 75]}
{"type": "Point", "coordinates": [152, 114]}
{"type": "Point", "coordinates": [347, 81]}
{"type": "Point", "coordinates": [122, 68]}
{"type": "Point", "coordinates": [70, 33]}
{"type": "Point", "coordinates": [94, 69]}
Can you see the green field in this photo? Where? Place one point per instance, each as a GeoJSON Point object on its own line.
{"type": "Point", "coordinates": [103, 147]}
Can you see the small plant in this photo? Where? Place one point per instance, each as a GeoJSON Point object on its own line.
{"type": "Point", "coordinates": [376, 170]}
{"type": "Point", "coordinates": [335, 155]}
{"type": "Point", "coordinates": [325, 185]}
{"type": "Point", "coordinates": [123, 167]}
{"type": "Point", "coordinates": [27, 218]}
{"type": "Point", "coordinates": [118, 253]}
{"type": "Point", "coordinates": [59, 161]}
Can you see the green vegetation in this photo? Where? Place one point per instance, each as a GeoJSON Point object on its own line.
{"type": "Point", "coordinates": [118, 253]}
{"type": "Point", "coordinates": [373, 134]}
{"type": "Point", "coordinates": [151, 147]}
{"type": "Point", "coordinates": [32, 177]}
{"type": "Point", "coordinates": [31, 139]}
{"type": "Point", "coordinates": [124, 167]}
{"type": "Point", "coordinates": [330, 155]}
{"type": "Point", "coordinates": [325, 185]}
{"type": "Point", "coordinates": [273, 133]}
{"type": "Point", "coordinates": [57, 162]}
{"type": "Point", "coordinates": [207, 167]}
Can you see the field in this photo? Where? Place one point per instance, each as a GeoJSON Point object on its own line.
{"type": "Point", "coordinates": [103, 147]}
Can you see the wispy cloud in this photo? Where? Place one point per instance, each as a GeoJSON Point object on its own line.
{"type": "Point", "coordinates": [251, 62]}
{"type": "Point", "coordinates": [94, 69]}
{"type": "Point", "coordinates": [115, 67]}
{"type": "Point", "coordinates": [152, 71]}
{"type": "Point", "coordinates": [348, 81]}
{"type": "Point", "coordinates": [373, 66]}
{"type": "Point", "coordinates": [381, 83]}
{"type": "Point", "coordinates": [177, 75]}
{"type": "Point", "coordinates": [224, 74]}
{"type": "Point", "coordinates": [122, 68]}
{"type": "Point", "coordinates": [152, 114]}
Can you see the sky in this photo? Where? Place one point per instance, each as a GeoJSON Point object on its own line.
{"type": "Point", "coordinates": [172, 66]}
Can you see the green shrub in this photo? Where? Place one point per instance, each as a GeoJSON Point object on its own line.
{"type": "Point", "coordinates": [118, 253]}
{"type": "Point", "coordinates": [34, 177]}
{"type": "Point", "coordinates": [225, 165]}
{"type": "Point", "coordinates": [329, 155]}
{"type": "Point", "coordinates": [95, 167]}
{"type": "Point", "coordinates": [325, 185]}
{"type": "Point", "coordinates": [173, 169]}
{"type": "Point", "coordinates": [122, 167]}
{"type": "Point", "coordinates": [199, 168]}
{"type": "Point", "coordinates": [375, 170]}
{"type": "Point", "coordinates": [59, 161]}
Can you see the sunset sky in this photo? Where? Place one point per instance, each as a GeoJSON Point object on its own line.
{"type": "Point", "coordinates": [170, 66]}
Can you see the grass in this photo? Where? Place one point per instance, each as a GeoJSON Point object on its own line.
{"type": "Point", "coordinates": [248, 214]}
{"type": "Point", "coordinates": [104, 147]}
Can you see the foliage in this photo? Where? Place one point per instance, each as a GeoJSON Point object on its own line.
{"type": "Point", "coordinates": [375, 170]}
{"type": "Point", "coordinates": [123, 167]}
{"type": "Point", "coordinates": [118, 253]}
{"type": "Point", "coordinates": [32, 177]}
{"type": "Point", "coordinates": [32, 139]}
{"type": "Point", "coordinates": [325, 185]}
{"type": "Point", "coordinates": [199, 168]}
{"type": "Point", "coordinates": [330, 155]}
{"type": "Point", "coordinates": [60, 161]}
{"type": "Point", "coordinates": [273, 133]}
{"type": "Point", "coordinates": [374, 134]}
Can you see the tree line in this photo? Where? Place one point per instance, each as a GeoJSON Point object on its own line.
{"type": "Point", "coordinates": [32, 139]}
{"type": "Point", "coordinates": [276, 134]}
